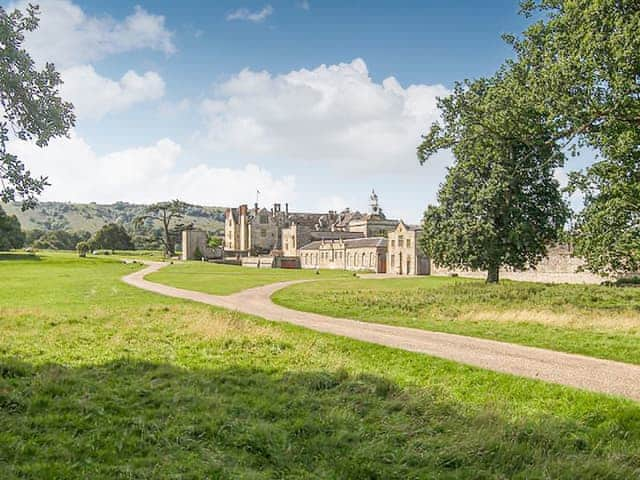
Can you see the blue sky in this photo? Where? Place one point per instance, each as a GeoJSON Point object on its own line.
{"type": "Point", "coordinates": [311, 102]}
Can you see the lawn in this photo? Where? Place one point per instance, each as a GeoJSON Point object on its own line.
{"type": "Point", "coordinates": [221, 279]}
{"type": "Point", "coordinates": [587, 319]}
{"type": "Point", "coordinates": [100, 380]}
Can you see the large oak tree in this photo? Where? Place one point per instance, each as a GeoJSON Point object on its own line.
{"type": "Point", "coordinates": [500, 204]}
{"type": "Point", "coordinates": [584, 62]}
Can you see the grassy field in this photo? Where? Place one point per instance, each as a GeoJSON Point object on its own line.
{"type": "Point", "coordinates": [587, 319]}
{"type": "Point", "coordinates": [226, 279]}
{"type": "Point", "coordinates": [100, 380]}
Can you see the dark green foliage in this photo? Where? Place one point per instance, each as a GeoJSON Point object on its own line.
{"type": "Point", "coordinates": [11, 236]}
{"type": "Point", "coordinates": [500, 204]}
{"type": "Point", "coordinates": [112, 237]}
{"type": "Point", "coordinates": [31, 107]}
{"type": "Point", "coordinates": [56, 240]}
{"type": "Point", "coordinates": [584, 60]}
{"type": "Point", "coordinates": [197, 253]}
{"type": "Point", "coordinates": [83, 248]}
{"type": "Point", "coordinates": [214, 242]}
{"type": "Point", "coordinates": [576, 70]}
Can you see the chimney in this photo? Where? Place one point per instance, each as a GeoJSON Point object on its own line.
{"type": "Point", "coordinates": [243, 209]}
{"type": "Point", "coordinates": [255, 206]}
{"type": "Point", "coordinates": [286, 209]}
{"type": "Point", "coordinates": [276, 208]}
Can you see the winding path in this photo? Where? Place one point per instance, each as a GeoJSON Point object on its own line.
{"type": "Point", "coordinates": [604, 376]}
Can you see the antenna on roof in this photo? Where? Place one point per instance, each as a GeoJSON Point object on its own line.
{"type": "Point", "coordinates": [257, 196]}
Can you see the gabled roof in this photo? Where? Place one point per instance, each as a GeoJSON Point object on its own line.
{"type": "Point", "coordinates": [411, 228]}
{"type": "Point", "coordinates": [366, 242]}
{"type": "Point", "coordinates": [328, 235]}
{"type": "Point", "coordinates": [234, 214]}
{"type": "Point", "coordinates": [312, 245]}
{"type": "Point", "coordinates": [372, 242]}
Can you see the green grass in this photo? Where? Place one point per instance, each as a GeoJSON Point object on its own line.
{"type": "Point", "coordinates": [587, 319]}
{"type": "Point", "coordinates": [221, 279]}
{"type": "Point", "coordinates": [101, 380]}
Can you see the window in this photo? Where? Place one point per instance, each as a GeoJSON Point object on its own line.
{"type": "Point", "coordinates": [263, 232]}
{"type": "Point", "coordinates": [400, 239]}
{"type": "Point", "coordinates": [393, 260]}
{"type": "Point", "coordinates": [264, 219]}
{"type": "Point", "coordinates": [393, 243]}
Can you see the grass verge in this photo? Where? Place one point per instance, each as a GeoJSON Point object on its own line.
{"type": "Point", "coordinates": [221, 279]}
{"type": "Point", "coordinates": [586, 319]}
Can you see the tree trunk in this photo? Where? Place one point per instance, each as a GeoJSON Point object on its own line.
{"type": "Point", "coordinates": [493, 274]}
{"type": "Point", "coordinates": [169, 248]}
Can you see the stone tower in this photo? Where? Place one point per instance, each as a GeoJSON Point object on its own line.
{"type": "Point", "coordinates": [373, 203]}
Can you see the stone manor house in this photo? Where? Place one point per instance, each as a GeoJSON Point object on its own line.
{"type": "Point", "coordinates": [367, 242]}
{"type": "Point", "coordinates": [347, 240]}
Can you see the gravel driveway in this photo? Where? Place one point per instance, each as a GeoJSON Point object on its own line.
{"type": "Point", "coordinates": [604, 376]}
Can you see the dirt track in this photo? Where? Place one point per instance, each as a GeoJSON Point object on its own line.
{"type": "Point", "coordinates": [578, 371]}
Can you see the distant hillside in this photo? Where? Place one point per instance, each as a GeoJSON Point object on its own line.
{"type": "Point", "coordinates": [91, 216]}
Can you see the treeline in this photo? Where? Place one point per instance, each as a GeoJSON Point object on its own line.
{"type": "Point", "coordinates": [157, 227]}
{"type": "Point", "coordinates": [110, 237]}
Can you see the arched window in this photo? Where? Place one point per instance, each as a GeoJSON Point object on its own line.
{"type": "Point", "coordinates": [364, 257]}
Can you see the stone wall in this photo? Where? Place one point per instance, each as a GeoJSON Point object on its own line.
{"type": "Point", "coordinates": [258, 261]}
{"type": "Point", "coordinates": [193, 240]}
{"type": "Point", "coordinates": [559, 267]}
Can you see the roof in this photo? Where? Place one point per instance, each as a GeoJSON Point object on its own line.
{"type": "Point", "coordinates": [306, 219]}
{"type": "Point", "coordinates": [329, 235]}
{"type": "Point", "coordinates": [312, 245]}
{"type": "Point", "coordinates": [411, 228]}
{"type": "Point", "coordinates": [366, 242]}
{"type": "Point", "coordinates": [372, 242]}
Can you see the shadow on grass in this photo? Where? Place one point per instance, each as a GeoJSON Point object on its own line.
{"type": "Point", "coordinates": [145, 420]}
{"type": "Point", "coordinates": [25, 257]}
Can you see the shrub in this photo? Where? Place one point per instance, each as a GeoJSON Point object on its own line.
{"type": "Point", "coordinates": [83, 248]}
{"type": "Point", "coordinates": [628, 281]}
{"type": "Point", "coordinates": [113, 237]}
{"type": "Point", "coordinates": [11, 236]}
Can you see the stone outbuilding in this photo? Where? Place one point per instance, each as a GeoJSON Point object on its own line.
{"type": "Point", "coordinates": [357, 254]}
{"type": "Point", "coordinates": [404, 255]}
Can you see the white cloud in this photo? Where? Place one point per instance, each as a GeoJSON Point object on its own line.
{"type": "Point", "coordinates": [67, 36]}
{"type": "Point", "coordinates": [94, 95]}
{"type": "Point", "coordinates": [334, 115]}
{"type": "Point", "coordinates": [249, 16]}
{"type": "Point", "coordinates": [144, 174]}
